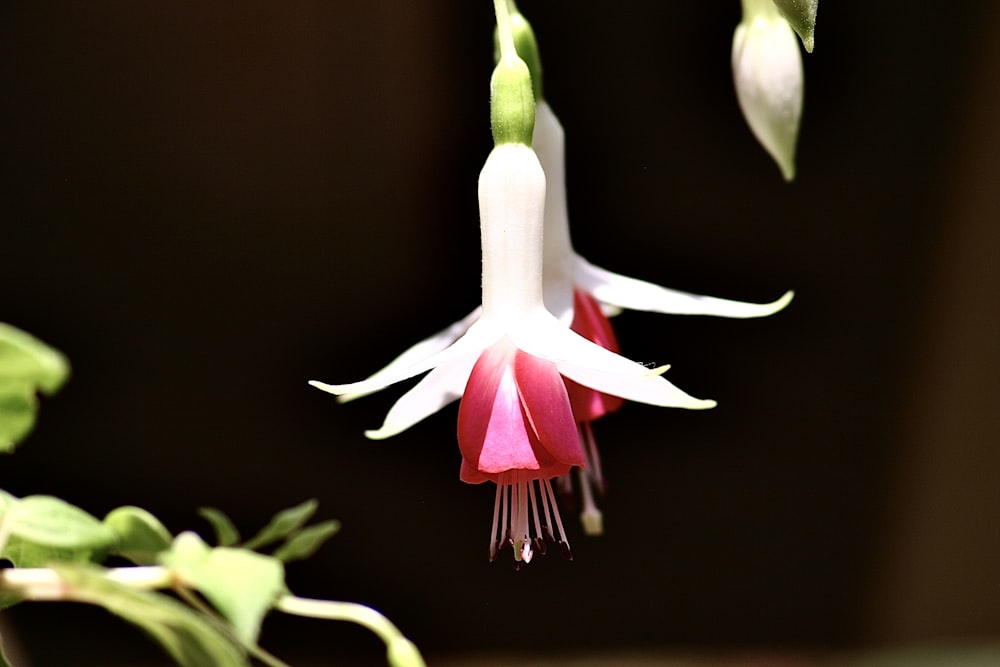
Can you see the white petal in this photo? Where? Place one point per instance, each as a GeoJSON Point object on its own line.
{"type": "Point", "coordinates": [549, 144]}
{"type": "Point", "coordinates": [651, 389]}
{"type": "Point", "coordinates": [625, 292]}
{"type": "Point", "coordinates": [593, 366]}
{"type": "Point", "coordinates": [479, 336]}
{"type": "Point", "coordinates": [442, 385]}
{"type": "Point", "coordinates": [422, 350]}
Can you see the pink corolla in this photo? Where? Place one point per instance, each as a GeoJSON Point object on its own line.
{"type": "Point", "coordinates": [516, 428]}
{"type": "Point", "coordinates": [509, 364]}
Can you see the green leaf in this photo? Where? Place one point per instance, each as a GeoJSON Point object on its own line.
{"type": "Point", "coordinates": [28, 554]}
{"type": "Point", "coordinates": [27, 365]}
{"type": "Point", "coordinates": [305, 543]}
{"type": "Point", "coordinates": [141, 536]}
{"type": "Point", "coordinates": [226, 534]}
{"type": "Point", "coordinates": [801, 15]}
{"type": "Point", "coordinates": [283, 524]}
{"type": "Point", "coordinates": [6, 501]}
{"type": "Point", "coordinates": [51, 522]}
{"type": "Point", "coordinates": [188, 637]}
{"type": "Point", "coordinates": [42, 530]}
{"type": "Point", "coordinates": [241, 584]}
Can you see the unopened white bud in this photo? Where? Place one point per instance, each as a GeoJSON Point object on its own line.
{"type": "Point", "coordinates": [767, 71]}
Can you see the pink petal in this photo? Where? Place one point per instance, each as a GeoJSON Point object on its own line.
{"type": "Point", "coordinates": [493, 434]}
{"type": "Point", "coordinates": [468, 474]}
{"type": "Point", "coordinates": [591, 323]}
{"type": "Point", "coordinates": [547, 407]}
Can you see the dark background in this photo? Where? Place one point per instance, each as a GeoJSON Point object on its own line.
{"type": "Point", "coordinates": [206, 204]}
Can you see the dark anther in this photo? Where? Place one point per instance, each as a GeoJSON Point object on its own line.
{"type": "Point", "coordinates": [539, 545]}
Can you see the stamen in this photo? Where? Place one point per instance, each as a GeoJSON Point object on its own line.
{"type": "Point", "coordinates": [537, 541]}
{"type": "Point", "coordinates": [521, 525]}
{"type": "Point", "coordinates": [519, 519]}
{"type": "Point", "coordinates": [495, 540]}
{"type": "Point", "coordinates": [504, 535]}
{"type": "Point", "coordinates": [590, 517]}
{"type": "Point", "coordinates": [593, 458]}
{"type": "Point", "coordinates": [547, 515]}
{"type": "Point", "coordinates": [563, 542]}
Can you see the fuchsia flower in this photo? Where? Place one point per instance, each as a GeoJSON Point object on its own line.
{"type": "Point", "coordinates": [509, 366]}
{"type": "Point", "coordinates": [576, 292]}
{"type": "Point", "coordinates": [537, 362]}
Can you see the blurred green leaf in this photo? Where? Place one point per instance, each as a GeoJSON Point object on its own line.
{"type": "Point", "coordinates": [50, 522]}
{"type": "Point", "coordinates": [6, 501]}
{"type": "Point", "coordinates": [27, 365]}
{"type": "Point", "coordinates": [226, 534]}
{"type": "Point", "coordinates": [42, 530]}
{"type": "Point", "coordinates": [283, 524]}
{"type": "Point", "coordinates": [241, 584]}
{"type": "Point", "coordinates": [141, 536]}
{"type": "Point", "coordinates": [305, 543]}
{"type": "Point", "coordinates": [28, 554]}
{"type": "Point", "coordinates": [188, 637]}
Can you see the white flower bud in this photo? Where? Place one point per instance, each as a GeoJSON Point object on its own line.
{"type": "Point", "coordinates": [767, 71]}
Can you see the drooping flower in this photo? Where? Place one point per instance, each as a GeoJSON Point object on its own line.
{"type": "Point", "coordinates": [516, 425]}
{"type": "Point", "coordinates": [767, 71]}
{"type": "Point", "coordinates": [577, 292]}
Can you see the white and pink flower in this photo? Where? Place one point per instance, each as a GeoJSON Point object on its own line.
{"type": "Point", "coordinates": [516, 425]}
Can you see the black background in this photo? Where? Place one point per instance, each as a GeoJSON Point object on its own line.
{"type": "Point", "coordinates": [206, 204]}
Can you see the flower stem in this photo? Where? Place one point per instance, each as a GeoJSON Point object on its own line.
{"type": "Point", "coordinates": [401, 651]}
{"type": "Point", "coordinates": [759, 9]}
{"type": "Point", "coordinates": [340, 611]}
{"type": "Point", "coordinates": [504, 35]}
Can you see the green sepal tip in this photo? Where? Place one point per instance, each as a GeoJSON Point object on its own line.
{"type": "Point", "coordinates": [527, 49]}
{"type": "Point", "coordinates": [801, 15]}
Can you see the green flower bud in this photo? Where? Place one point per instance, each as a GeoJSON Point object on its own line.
{"type": "Point", "coordinates": [512, 105]}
